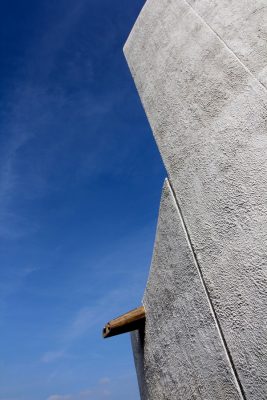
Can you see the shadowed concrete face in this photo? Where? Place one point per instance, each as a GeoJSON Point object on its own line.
{"type": "Point", "coordinates": [203, 94]}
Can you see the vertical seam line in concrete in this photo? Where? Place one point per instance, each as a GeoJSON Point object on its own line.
{"type": "Point", "coordinates": [217, 323]}
{"type": "Point", "coordinates": [226, 45]}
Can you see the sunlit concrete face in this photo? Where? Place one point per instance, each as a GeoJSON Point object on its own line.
{"type": "Point", "coordinates": [182, 354]}
{"type": "Point", "coordinates": [202, 85]}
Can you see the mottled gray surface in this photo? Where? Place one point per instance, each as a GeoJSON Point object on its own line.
{"type": "Point", "coordinates": [183, 356]}
{"type": "Point", "coordinates": [242, 25]}
{"type": "Point", "coordinates": [208, 114]}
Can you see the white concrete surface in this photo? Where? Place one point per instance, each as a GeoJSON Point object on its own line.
{"type": "Point", "coordinates": [200, 72]}
{"type": "Point", "coordinates": [183, 355]}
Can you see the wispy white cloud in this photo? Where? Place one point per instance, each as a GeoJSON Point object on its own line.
{"type": "Point", "coordinates": [13, 280]}
{"type": "Point", "coordinates": [87, 320]}
{"type": "Point", "coordinates": [104, 381]}
{"type": "Point", "coordinates": [28, 108]}
{"type": "Point", "coordinates": [115, 300]}
{"type": "Point", "coordinates": [96, 314]}
{"type": "Point", "coordinates": [51, 356]}
{"type": "Point", "coordinates": [97, 393]}
{"type": "Point", "coordinates": [60, 397]}
{"type": "Point", "coordinates": [9, 398]}
{"type": "Point", "coordinates": [21, 123]}
{"type": "Point", "coordinates": [22, 178]}
{"type": "Point", "coordinates": [101, 389]}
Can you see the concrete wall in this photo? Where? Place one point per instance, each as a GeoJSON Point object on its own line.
{"type": "Point", "coordinates": [199, 67]}
{"type": "Point", "coordinates": [183, 355]}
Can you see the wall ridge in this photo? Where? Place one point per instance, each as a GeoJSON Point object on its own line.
{"type": "Point", "coordinates": [217, 322]}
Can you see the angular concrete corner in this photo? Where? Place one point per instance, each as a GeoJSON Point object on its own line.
{"type": "Point", "coordinates": [181, 354]}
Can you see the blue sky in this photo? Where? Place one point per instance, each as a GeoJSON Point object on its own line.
{"type": "Point", "coordinates": [80, 183]}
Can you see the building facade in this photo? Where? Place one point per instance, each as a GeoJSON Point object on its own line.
{"type": "Point", "coordinates": [200, 68]}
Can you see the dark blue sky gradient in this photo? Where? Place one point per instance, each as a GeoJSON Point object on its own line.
{"type": "Point", "coordinates": [80, 183]}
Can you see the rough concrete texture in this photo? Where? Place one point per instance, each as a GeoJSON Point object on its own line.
{"type": "Point", "coordinates": [183, 356]}
{"type": "Point", "coordinates": [208, 113]}
{"type": "Point", "coordinates": [242, 25]}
